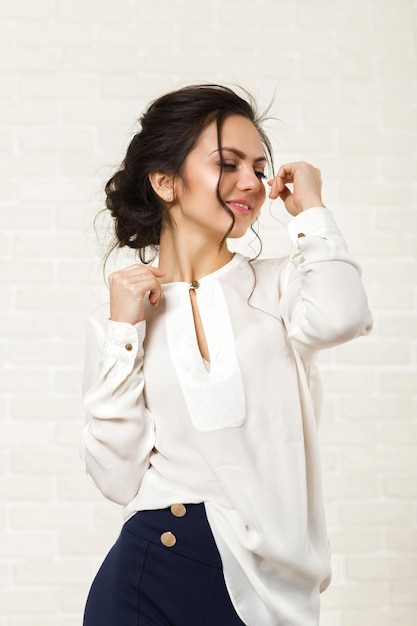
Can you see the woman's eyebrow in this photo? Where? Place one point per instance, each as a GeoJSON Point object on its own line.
{"type": "Point", "coordinates": [238, 153]}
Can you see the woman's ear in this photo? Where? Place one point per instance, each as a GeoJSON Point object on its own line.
{"type": "Point", "coordinates": [163, 185]}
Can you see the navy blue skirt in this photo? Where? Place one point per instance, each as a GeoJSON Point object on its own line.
{"type": "Point", "coordinates": [164, 570]}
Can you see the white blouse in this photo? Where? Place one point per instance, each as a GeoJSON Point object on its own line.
{"type": "Point", "coordinates": [241, 434]}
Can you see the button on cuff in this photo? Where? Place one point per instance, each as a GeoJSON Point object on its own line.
{"type": "Point", "coordinates": [124, 340]}
{"type": "Point", "coordinates": [314, 222]}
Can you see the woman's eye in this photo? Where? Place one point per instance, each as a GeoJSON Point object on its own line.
{"type": "Point", "coordinates": [228, 165]}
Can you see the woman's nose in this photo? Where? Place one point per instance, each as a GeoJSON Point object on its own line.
{"type": "Point", "coordinates": [249, 180]}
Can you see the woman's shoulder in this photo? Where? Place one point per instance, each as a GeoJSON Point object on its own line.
{"type": "Point", "coordinates": [264, 277]}
{"type": "Point", "coordinates": [266, 266]}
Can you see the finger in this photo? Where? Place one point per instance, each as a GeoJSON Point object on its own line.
{"type": "Point", "coordinates": [136, 282]}
{"type": "Point", "coordinates": [134, 275]}
{"type": "Point", "coordinates": [277, 185]}
{"type": "Point", "coordinates": [154, 298]}
{"type": "Point", "coordinates": [287, 171]}
{"type": "Point", "coordinates": [157, 271]}
{"type": "Point", "coordinates": [285, 194]}
{"type": "Point", "coordinates": [155, 295]}
{"type": "Point", "coordinates": [273, 194]}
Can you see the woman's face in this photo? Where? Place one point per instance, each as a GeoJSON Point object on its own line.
{"type": "Point", "coordinates": [196, 207]}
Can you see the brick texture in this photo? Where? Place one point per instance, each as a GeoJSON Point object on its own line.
{"type": "Point", "coordinates": [75, 75]}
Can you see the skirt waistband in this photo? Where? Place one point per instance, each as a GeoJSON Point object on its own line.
{"type": "Point", "coordinates": [181, 528]}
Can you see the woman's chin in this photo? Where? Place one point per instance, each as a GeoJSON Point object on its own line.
{"type": "Point", "coordinates": [238, 232]}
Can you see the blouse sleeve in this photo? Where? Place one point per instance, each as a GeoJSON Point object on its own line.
{"type": "Point", "coordinates": [323, 302]}
{"type": "Point", "coordinates": [119, 433]}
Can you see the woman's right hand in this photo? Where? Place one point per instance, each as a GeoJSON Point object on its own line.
{"type": "Point", "coordinates": [128, 288]}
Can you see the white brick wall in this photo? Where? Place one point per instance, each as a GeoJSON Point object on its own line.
{"type": "Point", "coordinates": [75, 74]}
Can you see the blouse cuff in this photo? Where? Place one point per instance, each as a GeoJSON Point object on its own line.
{"type": "Point", "coordinates": [316, 221]}
{"type": "Point", "coordinates": [124, 340]}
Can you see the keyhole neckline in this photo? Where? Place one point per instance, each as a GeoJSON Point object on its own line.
{"type": "Point", "coordinates": [196, 284]}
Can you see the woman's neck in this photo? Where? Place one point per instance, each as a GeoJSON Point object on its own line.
{"type": "Point", "coordinates": [185, 258]}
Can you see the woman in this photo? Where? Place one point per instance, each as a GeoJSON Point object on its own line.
{"type": "Point", "coordinates": [200, 386]}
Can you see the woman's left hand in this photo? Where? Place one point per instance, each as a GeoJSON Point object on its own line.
{"type": "Point", "coordinates": [306, 181]}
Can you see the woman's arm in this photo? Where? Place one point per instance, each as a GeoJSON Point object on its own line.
{"type": "Point", "coordinates": [119, 435]}
{"type": "Point", "coordinates": [119, 432]}
{"type": "Point", "coordinates": [323, 301]}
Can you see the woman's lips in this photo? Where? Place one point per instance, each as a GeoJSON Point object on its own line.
{"type": "Point", "coordinates": [240, 206]}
